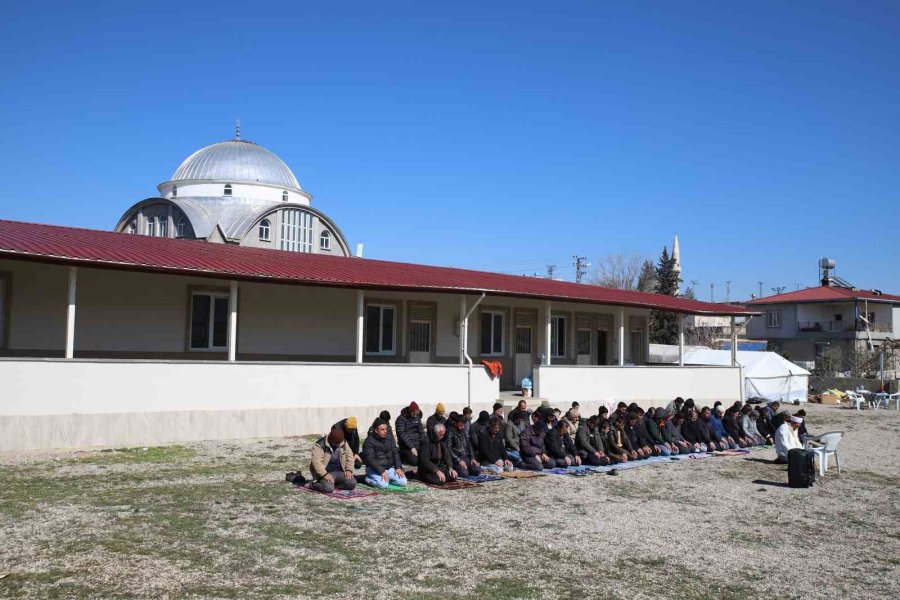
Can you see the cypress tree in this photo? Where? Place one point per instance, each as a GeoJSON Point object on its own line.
{"type": "Point", "coordinates": [664, 324]}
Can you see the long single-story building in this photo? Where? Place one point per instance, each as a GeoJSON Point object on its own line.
{"type": "Point", "coordinates": [109, 338]}
{"type": "Point", "coordinates": [227, 306]}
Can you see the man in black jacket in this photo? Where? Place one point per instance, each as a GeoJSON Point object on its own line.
{"type": "Point", "coordinates": [462, 453]}
{"type": "Point", "coordinates": [655, 432]}
{"type": "Point", "coordinates": [708, 433]}
{"type": "Point", "coordinates": [410, 433]}
{"type": "Point", "coordinates": [492, 449]}
{"type": "Point", "coordinates": [637, 436]}
{"type": "Point", "coordinates": [559, 446]}
{"type": "Point", "coordinates": [611, 447]}
{"type": "Point", "coordinates": [382, 458]}
{"type": "Point", "coordinates": [434, 458]}
{"type": "Point", "coordinates": [690, 429]}
{"type": "Point", "coordinates": [589, 443]}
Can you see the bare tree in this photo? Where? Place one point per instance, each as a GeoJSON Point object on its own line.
{"type": "Point", "coordinates": [618, 271]}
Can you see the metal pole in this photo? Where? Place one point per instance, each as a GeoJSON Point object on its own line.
{"type": "Point", "coordinates": [680, 340]}
{"type": "Point", "coordinates": [463, 330]}
{"type": "Point", "coordinates": [621, 336]}
{"type": "Point", "coordinates": [733, 343]}
{"type": "Point", "coordinates": [548, 327]}
{"type": "Point", "coordinates": [360, 324]}
{"type": "Point", "coordinates": [70, 312]}
{"type": "Point", "coordinates": [232, 321]}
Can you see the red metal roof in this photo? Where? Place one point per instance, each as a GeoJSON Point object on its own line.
{"type": "Point", "coordinates": [825, 294]}
{"type": "Point", "coordinates": [103, 249]}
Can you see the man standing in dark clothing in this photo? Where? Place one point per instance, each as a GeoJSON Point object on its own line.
{"type": "Point", "coordinates": [410, 433]}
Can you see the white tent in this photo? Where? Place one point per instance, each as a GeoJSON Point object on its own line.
{"type": "Point", "coordinates": [766, 374]}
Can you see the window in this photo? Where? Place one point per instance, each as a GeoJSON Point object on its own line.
{"type": "Point", "coordinates": [380, 329]}
{"type": "Point", "coordinates": [227, 189]}
{"type": "Point", "coordinates": [773, 319]}
{"type": "Point", "coordinates": [420, 336]}
{"type": "Point", "coordinates": [491, 333]}
{"type": "Point", "coordinates": [284, 196]}
{"type": "Point", "coordinates": [265, 229]}
{"type": "Point", "coordinates": [325, 241]}
{"type": "Point", "coordinates": [839, 317]}
{"type": "Point", "coordinates": [132, 228]}
{"type": "Point", "coordinates": [583, 341]}
{"type": "Point", "coordinates": [557, 336]}
{"type": "Point", "coordinates": [523, 340]}
{"type": "Point", "coordinates": [162, 230]}
{"type": "Point", "coordinates": [180, 228]}
{"type": "Point", "coordinates": [209, 321]}
{"type": "Point", "coordinates": [296, 230]}
{"type": "Point", "coordinates": [151, 226]}
{"type": "Point", "coordinates": [174, 191]}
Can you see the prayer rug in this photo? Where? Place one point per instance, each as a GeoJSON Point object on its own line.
{"type": "Point", "coordinates": [411, 488]}
{"type": "Point", "coordinates": [481, 478]}
{"type": "Point", "coordinates": [520, 474]}
{"type": "Point", "coordinates": [339, 494]}
{"type": "Point", "coordinates": [731, 453]}
{"type": "Point", "coordinates": [454, 485]}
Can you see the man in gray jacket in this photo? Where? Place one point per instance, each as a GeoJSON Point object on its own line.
{"type": "Point", "coordinates": [512, 432]}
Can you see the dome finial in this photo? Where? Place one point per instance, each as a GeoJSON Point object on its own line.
{"type": "Point", "coordinates": [237, 134]}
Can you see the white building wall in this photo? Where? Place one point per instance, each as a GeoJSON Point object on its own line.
{"type": "Point", "coordinates": [647, 386]}
{"type": "Point", "coordinates": [65, 404]}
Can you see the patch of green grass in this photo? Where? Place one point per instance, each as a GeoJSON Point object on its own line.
{"type": "Point", "coordinates": [154, 454]}
{"type": "Point", "coordinates": [505, 588]}
{"type": "Point", "coordinates": [745, 537]}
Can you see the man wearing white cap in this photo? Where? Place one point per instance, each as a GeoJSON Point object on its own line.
{"type": "Point", "coordinates": [786, 438]}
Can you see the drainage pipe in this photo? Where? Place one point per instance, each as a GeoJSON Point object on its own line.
{"type": "Point", "coordinates": [464, 335]}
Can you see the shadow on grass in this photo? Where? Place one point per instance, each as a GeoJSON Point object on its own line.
{"type": "Point", "coordinates": [780, 484]}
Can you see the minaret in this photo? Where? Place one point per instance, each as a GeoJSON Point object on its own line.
{"type": "Point", "coordinates": [676, 254]}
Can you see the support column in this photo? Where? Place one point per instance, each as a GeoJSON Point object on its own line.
{"type": "Point", "coordinates": [548, 329]}
{"type": "Point", "coordinates": [70, 312]}
{"type": "Point", "coordinates": [680, 340]}
{"type": "Point", "coordinates": [733, 343]}
{"type": "Point", "coordinates": [232, 321]}
{"type": "Point", "coordinates": [463, 330]}
{"type": "Point", "coordinates": [621, 317]}
{"type": "Point", "coordinates": [360, 324]}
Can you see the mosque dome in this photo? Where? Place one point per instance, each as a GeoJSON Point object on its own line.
{"type": "Point", "coordinates": [239, 161]}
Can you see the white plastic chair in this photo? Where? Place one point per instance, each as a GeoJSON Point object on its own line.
{"type": "Point", "coordinates": [829, 446]}
{"type": "Point", "coordinates": [895, 398]}
{"type": "Point", "coordinates": [856, 399]}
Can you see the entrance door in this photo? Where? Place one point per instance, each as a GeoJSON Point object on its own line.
{"type": "Point", "coordinates": [602, 343]}
{"type": "Point", "coordinates": [420, 341]}
{"type": "Point", "coordinates": [524, 358]}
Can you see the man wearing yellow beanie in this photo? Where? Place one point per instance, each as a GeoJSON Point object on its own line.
{"type": "Point", "coordinates": [439, 416]}
{"type": "Point", "coordinates": [351, 436]}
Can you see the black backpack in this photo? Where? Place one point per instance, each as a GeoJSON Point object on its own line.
{"type": "Point", "coordinates": [801, 468]}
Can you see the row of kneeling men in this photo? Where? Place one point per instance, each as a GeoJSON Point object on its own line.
{"type": "Point", "coordinates": [446, 447]}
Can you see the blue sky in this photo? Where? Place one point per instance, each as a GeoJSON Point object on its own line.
{"type": "Point", "coordinates": [502, 136]}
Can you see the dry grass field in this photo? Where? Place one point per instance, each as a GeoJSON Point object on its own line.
{"type": "Point", "coordinates": [217, 520]}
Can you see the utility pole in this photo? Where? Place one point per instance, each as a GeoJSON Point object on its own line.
{"type": "Point", "coordinates": [760, 288]}
{"type": "Point", "coordinates": [694, 284]}
{"type": "Point", "coordinates": [712, 292]}
{"type": "Point", "coordinates": [778, 289]}
{"type": "Point", "coordinates": [550, 270]}
{"type": "Point", "coordinates": [581, 265]}
{"type": "Point", "coordinates": [727, 291]}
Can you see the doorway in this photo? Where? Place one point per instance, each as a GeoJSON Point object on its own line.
{"type": "Point", "coordinates": [602, 345]}
{"type": "Point", "coordinates": [524, 359]}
